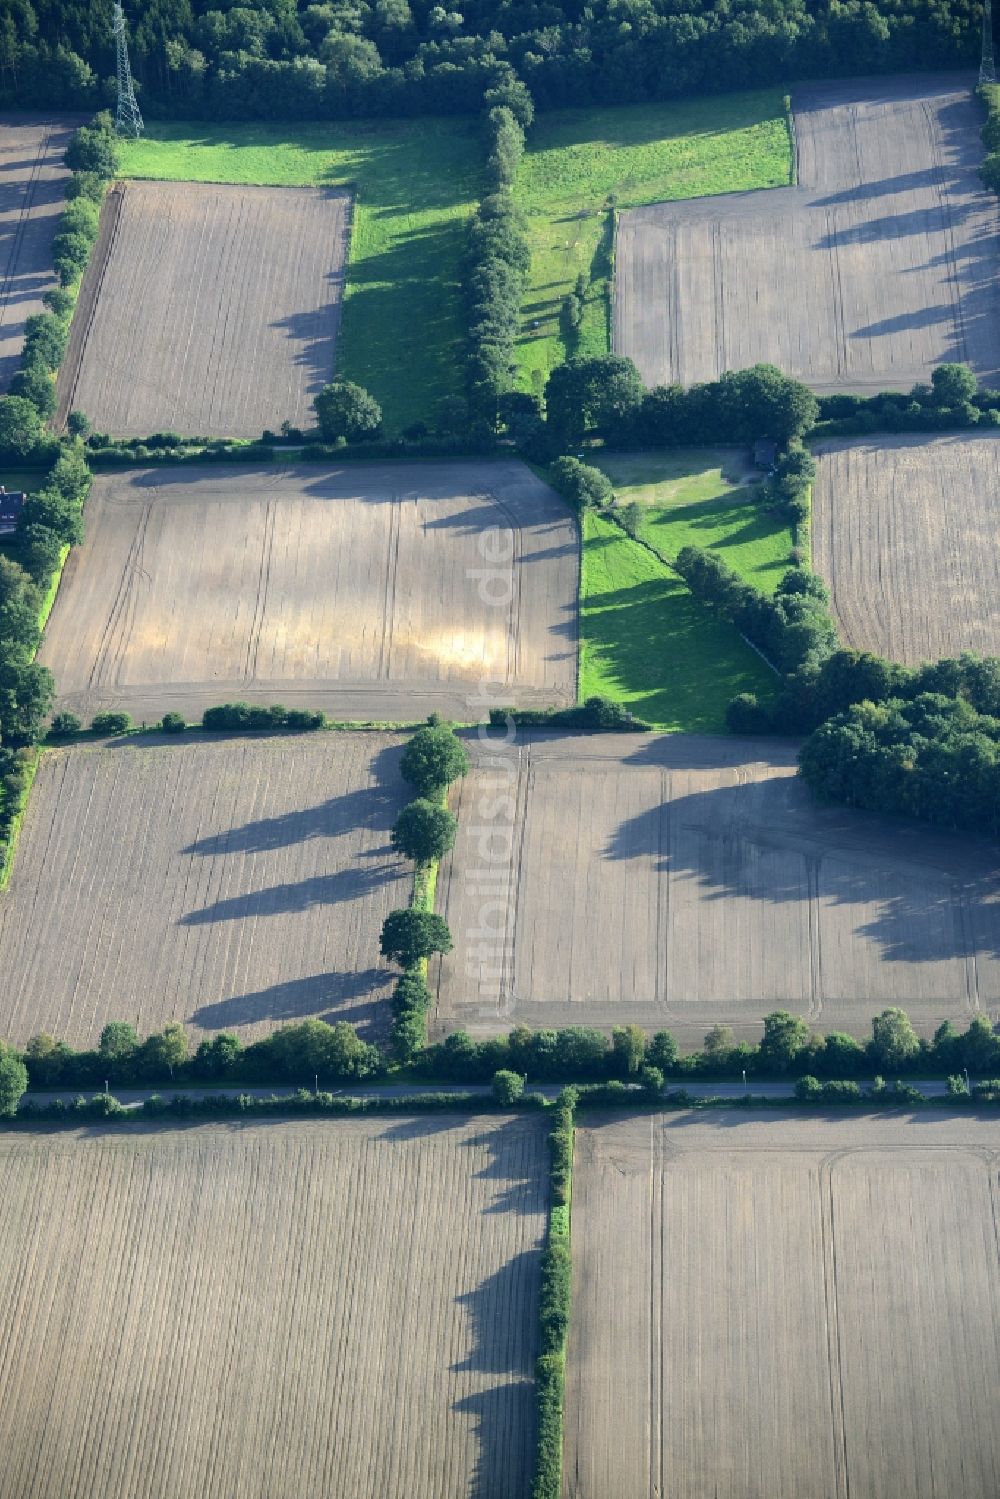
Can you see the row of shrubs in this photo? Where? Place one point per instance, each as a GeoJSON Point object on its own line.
{"type": "Point", "coordinates": [793, 627]}
{"type": "Point", "coordinates": [495, 265]}
{"type": "Point", "coordinates": [229, 718]}
{"type": "Point", "coordinates": [554, 1304]}
{"type": "Point", "coordinates": [952, 400]}
{"type": "Point", "coordinates": [424, 832]}
{"type": "Point", "coordinates": [106, 1106]}
{"type": "Point", "coordinates": [595, 715]}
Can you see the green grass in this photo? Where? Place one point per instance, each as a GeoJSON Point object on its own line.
{"type": "Point", "coordinates": [578, 160]}
{"type": "Point", "coordinates": [688, 500]}
{"type": "Point", "coordinates": [648, 643]}
{"type": "Point", "coordinates": [416, 181]}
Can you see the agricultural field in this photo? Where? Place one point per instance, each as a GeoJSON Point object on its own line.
{"type": "Point", "coordinates": [234, 330]}
{"type": "Point", "coordinates": [288, 1308]}
{"type": "Point", "coordinates": [768, 1306]}
{"type": "Point", "coordinates": [647, 642]}
{"type": "Point", "coordinates": [698, 884]}
{"type": "Point", "coordinates": [231, 885]}
{"type": "Point", "coordinates": [32, 178]}
{"type": "Point", "coordinates": [581, 163]}
{"type": "Point", "coordinates": [705, 497]}
{"type": "Point", "coordinates": [413, 184]}
{"type": "Point", "coordinates": [378, 592]}
{"type": "Point", "coordinates": [879, 264]}
{"type": "Point", "coordinates": [904, 531]}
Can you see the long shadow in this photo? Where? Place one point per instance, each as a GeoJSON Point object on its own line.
{"type": "Point", "coordinates": [768, 842]}
{"type": "Point", "coordinates": [339, 887]}
{"type": "Point", "coordinates": [321, 996]}
{"type": "Point", "coordinates": [373, 807]}
{"type": "Point", "coordinates": [886, 187]}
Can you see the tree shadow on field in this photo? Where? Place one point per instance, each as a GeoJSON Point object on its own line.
{"type": "Point", "coordinates": [314, 334]}
{"type": "Point", "coordinates": [765, 841]}
{"type": "Point", "coordinates": [337, 887]}
{"type": "Point", "coordinates": [320, 996]}
{"type": "Point", "coordinates": [373, 807]}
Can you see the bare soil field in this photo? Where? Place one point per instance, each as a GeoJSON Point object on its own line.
{"type": "Point", "coordinates": [207, 310]}
{"type": "Point", "coordinates": [774, 1308]}
{"type": "Point", "coordinates": [338, 1308]}
{"type": "Point", "coordinates": [683, 882]}
{"type": "Point", "coordinates": [32, 179]}
{"type": "Point", "coordinates": [905, 533]}
{"type": "Point", "coordinates": [231, 885]}
{"type": "Point", "coordinates": [879, 264]}
{"type": "Point", "coordinates": [380, 593]}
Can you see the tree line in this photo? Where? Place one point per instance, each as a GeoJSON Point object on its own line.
{"type": "Point", "coordinates": [297, 59]}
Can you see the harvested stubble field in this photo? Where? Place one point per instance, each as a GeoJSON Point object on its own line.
{"type": "Point", "coordinates": [683, 882]}
{"type": "Point", "coordinates": [379, 593]}
{"type": "Point", "coordinates": [769, 1308]}
{"type": "Point", "coordinates": [905, 532]}
{"type": "Point", "coordinates": [231, 885]}
{"type": "Point", "coordinates": [881, 263]}
{"type": "Point", "coordinates": [260, 1310]}
{"type": "Point", "coordinates": [32, 179]}
{"type": "Point", "coordinates": [207, 310]}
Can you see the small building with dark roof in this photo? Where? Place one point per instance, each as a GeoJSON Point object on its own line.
{"type": "Point", "coordinates": [11, 503]}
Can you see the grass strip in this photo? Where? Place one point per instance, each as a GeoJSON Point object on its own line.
{"type": "Point", "coordinates": [414, 184]}
{"type": "Point", "coordinates": [647, 642]}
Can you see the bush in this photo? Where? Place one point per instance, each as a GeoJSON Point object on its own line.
{"type": "Point", "coordinates": [508, 1087]}
{"type": "Point", "coordinates": [173, 723]}
{"type": "Point", "coordinates": [111, 723]}
{"type": "Point", "coordinates": [65, 724]}
{"type": "Point", "coordinates": [92, 149]}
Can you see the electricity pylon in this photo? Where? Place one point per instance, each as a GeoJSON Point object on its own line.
{"type": "Point", "coordinates": [128, 120]}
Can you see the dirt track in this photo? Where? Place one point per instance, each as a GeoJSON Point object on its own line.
{"type": "Point", "coordinates": [207, 310]}
{"type": "Point", "coordinates": [344, 1308]}
{"type": "Point", "coordinates": [682, 882]}
{"type": "Point", "coordinates": [777, 1308]}
{"type": "Point", "coordinates": [32, 178]}
{"type": "Point", "coordinates": [380, 593]}
{"type": "Point", "coordinates": [905, 532]}
{"type": "Point", "coordinates": [232, 885]}
{"type": "Point", "coordinates": [881, 263]}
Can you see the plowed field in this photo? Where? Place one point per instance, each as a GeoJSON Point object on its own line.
{"type": "Point", "coordinates": [230, 885]}
{"type": "Point", "coordinates": [32, 178]}
{"type": "Point", "coordinates": [881, 263]}
{"type": "Point", "coordinates": [682, 882]}
{"type": "Point", "coordinates": [379, 593]}
{"type": "Point", "coordinates": [769, 1308]}
{"type": "Point", "coordinates": [338, 1308]}
{"type": "Point", "coordinates": [207, 310]}
{"type": "Point", "coordinates": [905, 533]}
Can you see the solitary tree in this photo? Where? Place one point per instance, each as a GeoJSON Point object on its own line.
{"type": "Point", "coordinates": [424, 831]}
{"type": "Point", "coordinates": [408, 936]}
{"type": "Point", "coordinates": [13, 1081]}
{"type": "Point", "coordinates": [433, 759]}
{"type": "Point", "coordinates": [347, 410]}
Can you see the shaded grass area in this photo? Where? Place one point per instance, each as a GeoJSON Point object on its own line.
{"type": "Point", "coordinates": [648, 643]}
{"type": "Point", "coordinates": [414, 181]}
{"type": "Point", "coordinates": [689, 498]}
{"type": "Point", "coordinates": [580, 164]}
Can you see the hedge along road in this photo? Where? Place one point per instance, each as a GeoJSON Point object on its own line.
{"type": "Point", "coordinates": [881, 263]}
{"type": "Point", "coordinates": [784, 1307]}
{"type": "Point", "coordinates": [32, 180]}
{"type": "Point", "coordinates": [377, 592]}
{"type": "Point", "coordinates": [207, 310]}
{"type": "Point", "coordinates": [271, 1309]}
{"type": "Point", "coordinates": [232, 886]}
{"type": "Point", "coordinates": [681, 882]}
{"type": "Point", "coordinates": [904, 532]}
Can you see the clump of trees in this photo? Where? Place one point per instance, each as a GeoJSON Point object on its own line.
{"type": "Point", "coordinates": [952, 399]}
{"type": "Point", "coordinates": [794, 628]}
{"type": "Point", "coordinates": [581, 484]}
{"type": "Point", "coordinates": [234, 718]}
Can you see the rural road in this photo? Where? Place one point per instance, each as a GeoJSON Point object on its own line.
{"type": "Point", "coordinates": [133, 1097]}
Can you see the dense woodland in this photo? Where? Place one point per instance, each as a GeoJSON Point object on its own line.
{"type": "Point", "coordinates": [274, 59]}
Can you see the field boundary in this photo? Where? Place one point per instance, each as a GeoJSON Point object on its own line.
{"type": "Point", "coordinates": [555, 1302]}
{"type": "Point", "coordinates": [86, 304]}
